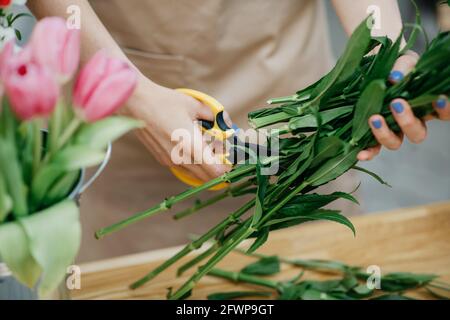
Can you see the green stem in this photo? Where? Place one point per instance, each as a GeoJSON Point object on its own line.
{"type": "Point", "coordinates": [68, 132]}
{"type": "Point", "coordinates": [285, 99]}
{"type": "Point", "coordinates": [271, 119]}
{"type": "Point", "coordinates": [280, 204]}
{"type": "Point", "coordinates": [203, 204]}
{"type": "Point", "coordinates": [169, 202]}
{"type": "Point", "coordinates": [37, 146]}
{"type": "Point", "coordinates": [194, 245]}
{"type": "Point", "coordinates": [197, 259]}
{"type": "Point", "coordinates": [55, 129]}
{"type": "Point", "coordinates": [239, 235]}
{"type": "Point", "coordinates": [200, 205]}
{"type": "Point", "coordinates": [242, 277]}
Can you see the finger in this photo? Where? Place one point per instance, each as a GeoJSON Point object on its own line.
{"type": "Point", "coordinates": [383, 134]}
{"type": "Point", "coordinates": [403, 66]}
{"type": "Point", "coordinates": [369, 153]}
{"type": "Point", "coordinates": [227, 118]}
{"type": "Point", "coordinates": [213, 164]}
{"type": "Point", "coordinates": [203, 112]}
{"type": "Point", "coordinates": [411, 126]}
{"type": "Point", "coordinates": [442, 107]}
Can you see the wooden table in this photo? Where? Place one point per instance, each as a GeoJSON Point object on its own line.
{"type": "Point", "coordinates": [411, 239]}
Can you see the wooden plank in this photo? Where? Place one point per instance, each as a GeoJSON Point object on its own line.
{"type": "Point", "coordinates": [412, 239]}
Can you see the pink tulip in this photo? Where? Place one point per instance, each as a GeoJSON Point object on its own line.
{"type": "Point", "coordinates": [55, 46]}
{"type": "Point", "coordinates": [30, 87]}
{"type": "Point", "coordinates": [102, 87]}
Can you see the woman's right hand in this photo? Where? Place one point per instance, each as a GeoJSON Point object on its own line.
{"type": "Point", "coordinates": [164, 111]}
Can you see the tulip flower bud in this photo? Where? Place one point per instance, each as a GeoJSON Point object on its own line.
{"type": "Point", "coordinates": [31, 88]}
{"type": "Point", "coordinates": [55, 46]}
{"type": "Point", "coordinates": [102, 87]}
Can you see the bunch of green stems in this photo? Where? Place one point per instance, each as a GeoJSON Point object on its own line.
{"type": "Point", "coordinates": [322, 129]}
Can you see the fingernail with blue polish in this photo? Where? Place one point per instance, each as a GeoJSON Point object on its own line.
{"type": "Point", "coordinates": [377, 124]}
{"type": "Point", "coordinates": [396, 76]}
{"type": "Point", "coordinates": [441, 103]}
{"type": "Point", "coordinates": [397, 106]}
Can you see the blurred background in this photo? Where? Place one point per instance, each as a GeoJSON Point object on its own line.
{"type": "Point", "coordinates": [419, 174]}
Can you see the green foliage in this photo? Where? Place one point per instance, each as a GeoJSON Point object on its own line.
{"type": "Point", "coordinates": [41, 246]}
{"type": "Point", "coordinates": [322, 129]}
{"type": "Point", "coordinates": [263, 267]}
{"type": "Point", "coordinates": [351, 285]}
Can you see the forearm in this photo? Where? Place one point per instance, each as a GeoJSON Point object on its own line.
{"type": "Point", "coordinates": [352, 12]}
{"type": "Point", "coordinates": [94, 35]}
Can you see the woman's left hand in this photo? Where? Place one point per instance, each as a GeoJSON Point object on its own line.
{"type": "Point", "coordinates": [413, 128]}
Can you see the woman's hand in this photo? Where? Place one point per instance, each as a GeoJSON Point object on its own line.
{"type": "Point", "coordinates": [413, 128]}
{"type": "Point", "coordinates": [165, 111]}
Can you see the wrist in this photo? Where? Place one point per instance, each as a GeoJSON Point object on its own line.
{"type": "Point", "coordinates": [145, 88]}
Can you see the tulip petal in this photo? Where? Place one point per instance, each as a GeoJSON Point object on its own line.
{"type": "Point", "coordinates": [110, 95]}
{"type": "Point", "coordinates": [89, 78]}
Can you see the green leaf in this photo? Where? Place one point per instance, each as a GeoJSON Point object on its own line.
{"type": "Point", "coordinates": [370, 103]}
{"type": "Point", "coordinates": [263, 267]}
{"type": "Point", "coordinates": [309, 121]}
{"type": "Point", "coordinates": [262, 181]}
{"type": "Point", "coordinates": [261, 238]}
{"type": "Point", "coordinates": [401, 281]}
{"type": "Point", "coordinates": [325, 286]}
{"type": "Point", "coordinates": [321, 265]}
{"type": "Point", "coordinates": [384, 61]}
{"type": "Point", "coordinates": [327, 147]}
{"type": "Point", "coordinates": [26, 136]}
{"type": "Point", "coordinates": [54, 237]}
{"type": "Point", "coordinates": [99, 134]}
{"type": "Point", "coordinates": [373, 175]}
{"type": "Point", "coordinates": [349, 281]}
{"type": "Point", "coordinates": [322, 214]}
{"type": "Point", "coordinates": [62, 188]}
{"type": "Point", "coordinates": [42, 182]}
{"type": "Point", "coordinates": [361, 291]}
{"type": "Point", "coordinates": [334, 168]}
{"type": "Point", "coordinates": [238, 294]}
{"type": "Point", "coordinates": [354, 52]}
{"type": "Point", "coordinates": [12, 176]}
{"type": "Point", "coordinates": [313, 294]}
{"type": "Point", "coordinates": [290, 291]}
{"type": "Point", "coordinates": [307, 203]}
{"type": "Point", "coordinates": [77, 157]}
{"type": "Point", "coordinates": [415, 33]}
{"type": "Point", "coordinates": [15, 252]}
{"type": "Point", "coordinates": [6, 204]}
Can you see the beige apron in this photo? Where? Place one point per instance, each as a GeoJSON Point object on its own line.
{"type": "Point", "coordinates": [241, 52]}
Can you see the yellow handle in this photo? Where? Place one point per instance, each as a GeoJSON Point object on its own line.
{"type": "Point", "coordinates": [219, 129]}
{"type": "Point", "coordinates": [220, 133]}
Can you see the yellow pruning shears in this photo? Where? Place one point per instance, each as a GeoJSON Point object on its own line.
{"type": "Point", "coordinates": [218, 129]}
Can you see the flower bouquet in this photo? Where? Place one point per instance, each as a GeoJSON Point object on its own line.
{"type": "Point", "coordinates": [46, 142]}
